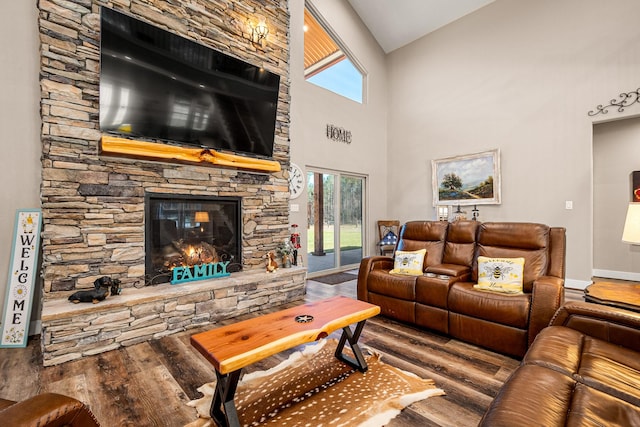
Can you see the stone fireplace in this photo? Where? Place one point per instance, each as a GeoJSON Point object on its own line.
{"type": "Point", "coordinates": [186, 231]}
{"type": "Point", "coordinates": [96, 207]}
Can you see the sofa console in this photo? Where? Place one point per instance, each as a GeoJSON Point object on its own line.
{"type": "Point", "coordinates": [444, 297]}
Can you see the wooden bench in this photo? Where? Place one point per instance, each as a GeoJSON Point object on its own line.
{"type": "Point", "coordinates": [233, 347]}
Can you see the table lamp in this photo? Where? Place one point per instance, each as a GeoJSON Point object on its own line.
{"type": "Point", "coordinates": [631, 232]}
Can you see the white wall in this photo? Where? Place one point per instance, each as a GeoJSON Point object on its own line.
{"type": "Point", "coordinates": [19, 123]}
{"type": "Point", "coordinates": [313, 107]}
{"type": "Point", "coordinates": [616, 153]}
{"type": "Point", "coordinates": [519, 76]}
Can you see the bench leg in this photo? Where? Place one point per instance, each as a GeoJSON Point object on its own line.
{"type": "Point", "coordinates": [352, 337]}
{"type": "Point", "coordinates": [223, 408]}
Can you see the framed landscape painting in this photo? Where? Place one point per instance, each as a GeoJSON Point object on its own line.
{"type": "Point", "coordinates": [473, 179]}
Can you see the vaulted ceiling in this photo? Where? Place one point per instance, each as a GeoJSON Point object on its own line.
{"type": "Point", "coordinates": [396, 23]}
{"type": "Point", "coordinates": [393, 23]}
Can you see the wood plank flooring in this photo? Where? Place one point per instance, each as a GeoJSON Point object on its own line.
{"type": "Point", "coordinates": [149, 384]}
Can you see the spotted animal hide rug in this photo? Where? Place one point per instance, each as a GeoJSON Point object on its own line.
{"type": "Point", "coordinates": [312, 387]}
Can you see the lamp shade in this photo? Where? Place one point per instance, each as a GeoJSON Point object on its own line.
{"type": "Point", "coordinates": [631, 233]}
{"type": "Point", "coordinates": [202, 216]}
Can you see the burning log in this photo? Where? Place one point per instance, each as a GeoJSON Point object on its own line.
{"type": "Point", "coordinates": [196, 254]}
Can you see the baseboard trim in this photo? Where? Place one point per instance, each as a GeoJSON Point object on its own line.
{"type": "Point", "coordinates": [620, 275]}
{"type": "Point", "coordinates": [576, 284]}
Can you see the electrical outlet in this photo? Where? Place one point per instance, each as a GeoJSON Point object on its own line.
{"type": "Point", "coordinates": [568, 204]}
{"type": "Point", "coordinates": [295, 207]}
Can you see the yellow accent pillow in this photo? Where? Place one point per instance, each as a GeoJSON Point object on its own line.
{"type": "Point", "coordinates": [500, 274]}
{"type": "Point", "coordinates": [409, 262]}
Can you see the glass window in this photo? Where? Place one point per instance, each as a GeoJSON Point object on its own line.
{"type": "Point", "coordinates": [326, 62]}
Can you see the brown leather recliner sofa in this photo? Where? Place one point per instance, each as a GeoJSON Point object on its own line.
{"type": "Point", "coordinates": [444, 298]}
{"type": "Point", "coordinates": [46, 410]}
{"type": "Point", "coordinates": [584, 369]}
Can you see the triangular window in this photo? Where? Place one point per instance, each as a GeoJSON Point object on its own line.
{"type": "Point", "coordinates": [326, 61]}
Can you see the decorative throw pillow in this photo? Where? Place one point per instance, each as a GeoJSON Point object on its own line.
{"type": "Point", "coordinates": [500, 274]}
{"type": "Point", "coordinates": [409, 262]}
{"type": "Point", "coordinates": [389, 239]}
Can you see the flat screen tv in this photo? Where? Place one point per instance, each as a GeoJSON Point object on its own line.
{"type": "Point", "coordinates": [156, 85]}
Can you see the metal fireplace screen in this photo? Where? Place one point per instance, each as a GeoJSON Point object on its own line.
{"type": "Point", "coordinates": [190, 230]}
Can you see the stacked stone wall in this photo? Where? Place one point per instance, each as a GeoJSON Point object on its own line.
{"type": "Point", "coordinates": [93, 205]}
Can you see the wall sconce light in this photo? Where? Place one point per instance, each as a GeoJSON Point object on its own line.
{"type": "Point", "coordinates": [259, 31]}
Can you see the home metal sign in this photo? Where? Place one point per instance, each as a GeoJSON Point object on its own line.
{"type": "Point", "coordinates": [22, 277]}
{"type": "Point", "coordinates": [338, 134]}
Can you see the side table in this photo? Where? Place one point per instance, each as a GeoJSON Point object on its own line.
{"type": "Point", "coordinates": [621, 295]}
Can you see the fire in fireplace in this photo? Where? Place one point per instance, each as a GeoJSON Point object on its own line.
{"type": "Point", "coordinates": [188, 231]}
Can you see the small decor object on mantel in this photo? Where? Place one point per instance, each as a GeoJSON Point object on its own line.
{"type": "Point", "coordinates": [475, 213]}
{"type": "Point", "coordinates": [272, 264]}
{"type": "Point", "coordinates": [443, 212]}
{"type": "Point", "coordinates": [295, 242]}
{"type": "Point", "coordinates": [459, 214]}
{"type": "Point", "coordinates": [285, 251]}
{"type": "Point", "coordinates": [102, 288]}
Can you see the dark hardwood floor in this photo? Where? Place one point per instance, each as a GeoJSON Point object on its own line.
{"type": "Point", "coordinates": [149, 384]}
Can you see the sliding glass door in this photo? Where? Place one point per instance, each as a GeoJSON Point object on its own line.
{"type": "Point", "coordinates": [335, 216]}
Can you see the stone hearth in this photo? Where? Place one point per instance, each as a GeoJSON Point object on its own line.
{"type": "Point", "coordinates": [72, 331]}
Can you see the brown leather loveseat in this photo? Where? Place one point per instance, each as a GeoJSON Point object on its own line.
{"type": "Point", "coordinates": [46, 410]}
{"type": "Point", "coordinates": [584, 369]}
{"type": "Point", "coordinates": [444, 298]}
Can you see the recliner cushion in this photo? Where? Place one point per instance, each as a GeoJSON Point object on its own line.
{"type": "Point", "coordinates": [514, 240]}
{"type": "Point", "coordinates": [429, 235]}
{"type": "Point", "coordinates": [510, 310]}
{"type": "Point", "coordinates": [461, 243]}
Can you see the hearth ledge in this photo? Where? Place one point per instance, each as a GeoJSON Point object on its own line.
{"type": "Point", "coordinates": [54, 309]}
{"type": "Point", "coordinates": [72, 331]}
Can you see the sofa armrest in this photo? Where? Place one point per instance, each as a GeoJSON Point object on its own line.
{"type": "Point", "coordinates": [614, 325]}
{"type": "Point", "coordinates": [48, 410]}
{"type": "Point", "coordinates": [546, 297]}
{"type": "Point", "coordinates": [368, 264]}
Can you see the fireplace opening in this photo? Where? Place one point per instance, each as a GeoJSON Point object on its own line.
{"type": "Point", "coordinates": [188, 231]}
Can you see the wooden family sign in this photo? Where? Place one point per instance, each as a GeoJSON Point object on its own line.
{"type": "Point", "coordinates": [22, 278]}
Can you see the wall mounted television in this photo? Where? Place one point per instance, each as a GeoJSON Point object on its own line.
{"type": "Point", "coordinates": [156, 85]}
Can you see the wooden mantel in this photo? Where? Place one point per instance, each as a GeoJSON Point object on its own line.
{"type": "Point", "coordinates": [134, 148]}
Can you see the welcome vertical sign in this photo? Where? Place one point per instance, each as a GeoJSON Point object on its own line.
{"type": "Point", "coordinates": [22, 278]}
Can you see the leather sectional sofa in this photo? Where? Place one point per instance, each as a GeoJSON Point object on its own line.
{"type": "Point", "coordinates": [444, 298]}
{"type": "Point", "coordinates": [584, 369]}
{"type": "Point", "coordinates": [46, 410]}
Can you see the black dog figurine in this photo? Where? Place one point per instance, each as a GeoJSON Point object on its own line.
{"type": "Point", "coordinates": [103, 287]}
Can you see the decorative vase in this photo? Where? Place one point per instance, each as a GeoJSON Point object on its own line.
{"type": "Point", "coordinates": [286, 261]}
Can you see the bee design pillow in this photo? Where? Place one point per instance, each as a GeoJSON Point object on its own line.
{"type": "Point", "coordinates": [500, 274]}
{"type": "Point", "coordinates": [409, 262]}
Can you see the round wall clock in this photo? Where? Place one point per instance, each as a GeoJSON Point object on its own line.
{"type": "Point", "coordinates": [296, 180]}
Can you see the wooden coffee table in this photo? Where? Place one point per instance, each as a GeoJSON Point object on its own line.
{"type": "Point", "coordinates": [621, 295]}
{"type": "Point", "coordinates": [233, 347]}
